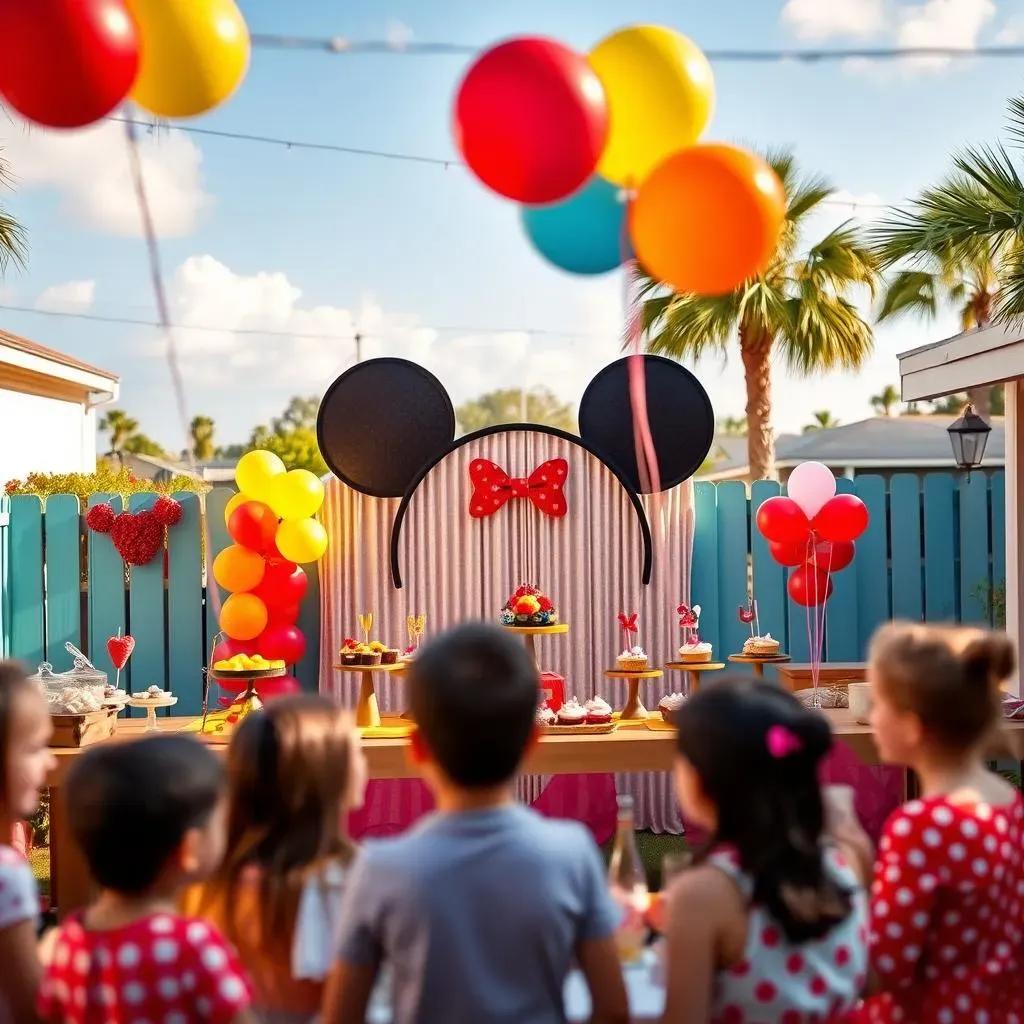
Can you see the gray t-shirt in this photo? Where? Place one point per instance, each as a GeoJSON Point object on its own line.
{"type": "Point", "coordinates": [477, 915]}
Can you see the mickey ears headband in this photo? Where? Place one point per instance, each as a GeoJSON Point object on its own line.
{"type": "Point", "coordinates": [385, 423]}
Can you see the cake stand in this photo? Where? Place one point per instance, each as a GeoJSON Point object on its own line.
{"type": "Point", "coordinates": [634, 709]}
{"type": "Point", "coordinates": [759, 663]}
{"type": "Point", "coordinates": [151, 706]}
{"type": "Point", "coordinates": [367, 712]}
{"type": "Point", "coordinates": [692, 670]}
{"type": "Point", "coordinates": [530, 634]}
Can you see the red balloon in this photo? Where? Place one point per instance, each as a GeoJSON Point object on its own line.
{"type": "Point", "coordinates": [283, 583]}
{"type": "Point", "coordinates": [782, 520]}
{"type": "Point", "coordinates": [809, 587]}
{"type": "Point", "coordinates": [253, 525]}
{"type": "Point", "coordinates": [832, 555]}
{"type": "Point", "coordinates": [275, 687]}
{"type": "Point", "coordinates": [531, 120]}
{"type": "Point", "coordinates": [284, 643]}
{"type": "Point", "coordinates": [788, 554]}
{"type": "Point", "coordinates": [844, 517]}
{"type": "Point", "coordinates": [66, 63]}
{"type": "Point", "coordinates": [286, 615]}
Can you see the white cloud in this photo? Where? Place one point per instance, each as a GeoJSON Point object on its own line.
{"type": "Point", "coordinates": [1012, 31]}
{"type": "Point", "coordinates": [397, 34]}
{"type": "Point", "coordinates": [72, 297]}
{"type": "Point", "coordinates": [952, 24]}
{"type": "Point", "coordinates": [823, 19]}
{"type": "Point", "coordinates": [89, 171]}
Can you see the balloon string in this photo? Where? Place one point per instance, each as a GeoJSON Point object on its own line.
{"type": "Point", "coordinates": [646, 457]}
{"type": "Point", "coordinates": [164, 314]}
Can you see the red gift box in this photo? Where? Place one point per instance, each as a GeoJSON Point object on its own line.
{"type": "Point", "coordinates": [552, 688]}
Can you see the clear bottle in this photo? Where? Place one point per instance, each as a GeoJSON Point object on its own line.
{"type": "Point", "coordinates": [628, 884]}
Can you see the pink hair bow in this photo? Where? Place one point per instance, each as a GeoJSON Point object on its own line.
{"type": "Point", "coordinates": [782, 742]}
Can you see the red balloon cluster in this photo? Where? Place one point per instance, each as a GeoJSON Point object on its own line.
{"type": "Point", "coordinates": [814, 548]}
{"type": "Point", "coordinates": [66, 63]}
{"type": "Point", "coordinates": [531, 120]}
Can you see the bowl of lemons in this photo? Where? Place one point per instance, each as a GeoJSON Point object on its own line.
{"type": "Point", "coordinates": [247, 666]}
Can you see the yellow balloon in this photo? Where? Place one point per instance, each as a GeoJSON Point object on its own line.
{"type": "Point", "coordinates": [661, 94]}
{"type": "Point", "coordinates": [301, 540]}
{"type": "Point", "coordinates": [297, 494]}
{"type": "Point", "coordinates": [195, 54]}
{"type": "Point", "coordinates": [233, 503]}
{"type": "Point", "coordinates": [255, 472]}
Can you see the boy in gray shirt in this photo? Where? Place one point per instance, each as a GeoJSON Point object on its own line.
{"type": "Point", "coordinates": [480, 910]}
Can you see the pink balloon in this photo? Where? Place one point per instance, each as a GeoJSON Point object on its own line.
{"type": "Point", "coordinates": [810, 485]}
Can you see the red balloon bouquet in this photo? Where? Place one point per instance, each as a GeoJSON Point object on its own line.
{"type": "Point", "coordinates": [279, 686]}
{"type": "Point", "coordinates": [283, 583]}
{"type": "Point", "coordinates": [285, 615]}
{"type": "Point", "coordinates": [831, 555]}
{"type": "Point", "coordinates": [844, 517]}
{"type": "Point", "coordinates": [253, 525]}
{"type": "Point", "coordinates": [782, 520]}
{"type": "Point", "coordinates": [284, 643]}
{"type": "Point", "coordinates": [531, 120]}
{"type": "Point", "coordinates": [66, 63]}
{"type": "Point", "coordinates": [809, 587]}
{"type": "Point", "coordinates": [793, 553]}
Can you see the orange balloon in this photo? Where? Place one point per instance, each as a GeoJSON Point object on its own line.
{"type": "Point", "coordinates": [237, 569]}
{"type": "Point", "coordinates": [243, 617]}
{"type": "Point", "coordinates": [707, 218]}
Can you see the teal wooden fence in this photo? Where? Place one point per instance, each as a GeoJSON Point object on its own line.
{"type": "Point", "coordinates": [934, 550]}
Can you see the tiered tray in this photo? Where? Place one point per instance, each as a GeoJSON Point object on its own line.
{"type": "Point", "coordinates": [633, 712]}
{"type": "Point", "coordinates": [367, 712]}
{"type": "Point", "coordinates": [692, 671]}
{"type": "Point", "coordinates": [759, 662]}
{"type": "Point", "coordinates": [530, 634]}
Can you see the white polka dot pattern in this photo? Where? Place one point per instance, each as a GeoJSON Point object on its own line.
{"type": "Point", "coordinates": [159, 970]}
{"type": "Point", "coordinates": [947, 915]}
{"type": "Point", "coordinates": [19, 898]}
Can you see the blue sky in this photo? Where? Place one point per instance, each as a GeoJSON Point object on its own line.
{"type": "Point", "coordinates": [262, 237]}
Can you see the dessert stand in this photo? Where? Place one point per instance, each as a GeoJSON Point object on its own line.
{"type": "Point", "coordinates": [633, 710]}
{"type": "Point", "coordinates": [692, 672]}
{"type": "Point", "coordinates": [759, 662]}
{"type": "Point", "coordinates": [367, 712]}
{"type": "Point", "coordinates": [530, 634]}
{"type": "Point", "coordinates": [151, 705]}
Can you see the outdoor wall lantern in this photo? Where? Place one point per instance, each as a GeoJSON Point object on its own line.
{"type": "Point", "coordinates": [968, 436]}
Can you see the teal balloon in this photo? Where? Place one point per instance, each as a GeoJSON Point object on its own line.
{"type": "Point", "coordinates": [584, 234]}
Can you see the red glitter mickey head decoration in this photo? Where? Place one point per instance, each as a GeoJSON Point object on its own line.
{"type": "Point", "coordinates": [137, 536]}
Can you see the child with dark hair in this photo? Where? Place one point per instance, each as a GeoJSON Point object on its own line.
{"type": "Point", "coordinates": [149, 819]}
{"type": "Point", "coordinates": [481, 908]}
{"type": "Point", "coordinates": [947, 930]}
{"type": "Point", "coordinates": [770, 923]}
{"type": "Point", "coordinates": [25, 760]}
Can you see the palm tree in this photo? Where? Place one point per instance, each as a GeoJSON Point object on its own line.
{"type": "Point", "coordinates": [201, 430]}
{"type": "Point", "coordinates": [799, 308]}
{"type": "Point", "coordinates": [121, 428]}
{"type": "Point", "coordinates": [732, 426]}
{"type": "Point", "coordinates": [13, 245]}
{"type": "Point", "coordinates": [966, 235]}
{"type": "Point", "coordinates": [885, 401]}
{"type": "Point", "coordinates": [823, 420]}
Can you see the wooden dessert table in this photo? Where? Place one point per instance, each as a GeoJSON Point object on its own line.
{"type": "Point", "coordinates": [759, 663]}
{"type": "Point", "coordinates": [624, 750]}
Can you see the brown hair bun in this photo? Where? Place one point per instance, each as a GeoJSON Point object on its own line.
{"type": "Point", "coordinates": [989, 660]}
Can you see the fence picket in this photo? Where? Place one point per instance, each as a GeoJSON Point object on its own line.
{"type": "Point", "coordinates": [842, 610]}
{"type": "Point", "coordinates": [27, 608]}
{"type": "Point", "coordinates": [975, 544]}
{"type": "Point", "coordinates": [62, 526]}
{"type": "Point", "coordinates": [940, 549]}
{"type": "Point", "coordinates": [905, 533]}
{"type": "Point", "coordinates": [769, 576]}
{"type": "Point", "coordinates": [146, 615]}
{"type": "Point", "coordinates": [704, 566]}
{"type": "Point", "coordinates": [872, 565]}
{"type": "Point", "coordinates": [733, 525]}
{"type": "Point", "coordinates": [186, 646]}
{"type": "Point", "coordinates": [106, 594]}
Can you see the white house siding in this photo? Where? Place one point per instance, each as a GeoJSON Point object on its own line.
{"type": "Point", "coordinates": [44, 435]}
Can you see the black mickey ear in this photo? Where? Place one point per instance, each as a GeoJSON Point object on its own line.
{"type": "Point", "coordinates": [381, 422]}
{"type": "Point", "coordinates": [678, 408]}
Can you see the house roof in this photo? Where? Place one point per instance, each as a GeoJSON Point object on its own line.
{"type": "Point", "coordinates": [32, 348]}
{"type": "Point", "coordinates": [883, 442]}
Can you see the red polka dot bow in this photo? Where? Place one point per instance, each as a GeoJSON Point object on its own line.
{"type": "Point", "coordinates": [493, 488]}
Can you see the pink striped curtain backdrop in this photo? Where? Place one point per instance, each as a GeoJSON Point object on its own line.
{"type": "Point", "coordinates": [456, 568]}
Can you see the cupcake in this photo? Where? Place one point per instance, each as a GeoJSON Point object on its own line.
{"type": "Point", "coordinates": [571, 713]}
{"type": "Point", "coordinates": [349, 653]}
{"type": "Point", "coordinates": [670, 704]}
{"type": "Point", "coordinates": [633, 660]}
{"type": "Point", "coordinates": [695, 651]}
{"type": "Point", "coordinates": [599, 711]}
{"type": "Point", "coordinates": [761, 646]}
{"type": "Point", "coordinates": [389, 656]}
{"type": "Point", "coordinates": [544, 716]}
{"type": "Point", "coordinates": [368, 656]}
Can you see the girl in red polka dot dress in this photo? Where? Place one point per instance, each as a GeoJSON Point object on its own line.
{"type": "Point", "coordinates": [25, 760]}
{"type": "Point", "coordinates": [149, 818]}
{"type": "Point", "coordinates": [769, 927]}
{"type": "Point", "coordinates": [947, 905]}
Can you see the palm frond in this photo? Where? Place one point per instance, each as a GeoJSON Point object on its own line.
{"type": "Point", "coordinates": [840, 261]}
{"type": "Point", "coordinates": [825, 333]}
{"type": "Point", "coordinates": [691, 326]}
{"type": "Point", "coordinates": [910, 291]}
{"type": "Point", "coordinates": [13, 243]}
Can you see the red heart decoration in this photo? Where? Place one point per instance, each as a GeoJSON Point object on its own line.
{"type": "Point", "coordinates": [120, 650]}
{"type": "Point", "coordinates": [137, 536]}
